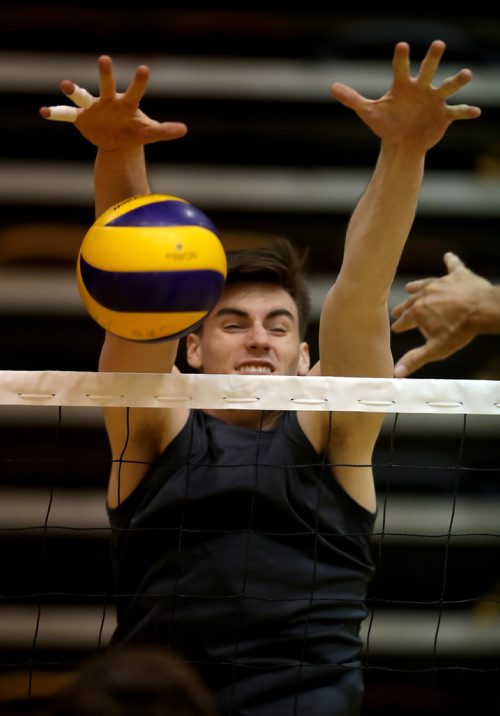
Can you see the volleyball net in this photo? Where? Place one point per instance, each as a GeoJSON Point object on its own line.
{"type": "Point", "coordinates": [432, 635]}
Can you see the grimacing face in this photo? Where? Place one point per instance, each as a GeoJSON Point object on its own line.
{"type": "Point", "coordinates": [253, 330]}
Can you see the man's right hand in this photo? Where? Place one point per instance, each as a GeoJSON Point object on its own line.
{"type": "Point", "coordinates": [113, 121]}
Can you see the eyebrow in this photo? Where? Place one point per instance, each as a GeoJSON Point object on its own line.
{"type": "Point", "coordinates": [228, 310]}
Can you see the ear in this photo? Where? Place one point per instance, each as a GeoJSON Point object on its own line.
{"type": "Point", "coordinates": [304, 359]}
{"type": "Point", "coordinates": [193, 351]}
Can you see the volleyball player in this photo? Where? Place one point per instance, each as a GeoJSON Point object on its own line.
{"type": "Point", "coordinates": [242, 539]}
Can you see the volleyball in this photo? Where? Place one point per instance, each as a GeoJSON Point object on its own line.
{"type": "Point", "coordinates": [151, 268]}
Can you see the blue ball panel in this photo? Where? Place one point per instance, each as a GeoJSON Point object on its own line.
{"type": "Point", "coordinates": [164, 213]}
{"type": "Point", "coordinates": [153, 291]}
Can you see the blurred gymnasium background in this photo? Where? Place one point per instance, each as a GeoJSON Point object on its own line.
{"type": "Point", "coordinates": [268, 153]}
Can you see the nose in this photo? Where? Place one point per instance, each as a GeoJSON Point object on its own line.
{"type": "Point", "coordinates": [258, 336]}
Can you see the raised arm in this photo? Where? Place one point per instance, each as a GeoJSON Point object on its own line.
{"type": "Point", "coordinates": [409, 119]}
{"type": "Point", "coordinates": [115, 124]}
{"type": "Point", "coordinates": [354, 325]}
{"type": "Point", "coordinates": [449, 312]}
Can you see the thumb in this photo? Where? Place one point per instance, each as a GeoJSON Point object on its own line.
{"type": "Point", "coordinates": [453, 262]}
{"type": "Point", "coordinates": [347, 96]}
{"type": "Point", "coordinates": [412, 361]}
{"type": "Point", "coordinates": [164, 131]}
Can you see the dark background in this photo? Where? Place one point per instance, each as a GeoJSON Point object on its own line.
{"type": "Point", "coordinates": [274, 121]}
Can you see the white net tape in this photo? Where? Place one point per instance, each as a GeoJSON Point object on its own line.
{"type": "Point", "coordinates": [157, 390]}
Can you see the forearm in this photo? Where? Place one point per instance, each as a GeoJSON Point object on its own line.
{"type": "Point", "coordinates": [381, 222]}
{"type": "Point", "coordinates": [355, 310]}
{"type": "Point", "coordinates": [410, 119]}
{"type": "Point", "coordinates": [120, 355]}
{"type": "Point", "coordinates": [118, 175]}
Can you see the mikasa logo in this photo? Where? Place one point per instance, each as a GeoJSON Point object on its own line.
{"type": "Point", "coordinates": [185, 256]}
{"type": "Point", "coordinates": [118, 206]}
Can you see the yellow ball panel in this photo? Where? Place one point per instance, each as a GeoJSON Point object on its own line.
{"type": "Point", "coordinates": [162, 248]}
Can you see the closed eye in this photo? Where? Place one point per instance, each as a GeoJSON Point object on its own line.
{"type": "Point", "coordinates": [232, 326]}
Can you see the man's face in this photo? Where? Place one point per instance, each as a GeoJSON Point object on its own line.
{"type": "Point", "coordinates": [252, 330]}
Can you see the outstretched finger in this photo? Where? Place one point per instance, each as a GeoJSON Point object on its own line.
{"type": "Point", "coordinates": [451, 85]}
{"type": "Point", "coordinates": [418, 357]}
{"type": "Point", "coordinates": [430, 63]}
{"type": "Point", "coordinates": [67, 87]}
{"type": "Point", "coordinates": [453, 262]}
{"type": "Point", "coordinates": [107, 84]}
{"type": "Point", "coordinates": [60, 113]}
{"type": "Point", "coordinates": [401, 62]}
{"type": "Point", "coordinates": [419, 284]}
{"type": "Point", "coordinates": [348, 97]}
{"type": "Point", "coordinates": [164, 131]}
{"type": "Point", "coordinates": [137, 88]}
{"type": "Point", "coordinates": [464, 111]}
{"type": "Point", "coordinates": [415, 359]}
{"type": "Point", "coordinates": [404, 319]}
{"type": "Point", "coordinates": [80, 96]}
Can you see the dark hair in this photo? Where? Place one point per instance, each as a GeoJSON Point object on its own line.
{"type": "Point", "coordinates": [276, 263]}
{"type": "Point", "coordinates": [134, 681]}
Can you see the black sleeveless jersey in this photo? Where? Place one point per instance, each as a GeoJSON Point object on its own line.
{"type": "Point", "coordinates": [241, 551]}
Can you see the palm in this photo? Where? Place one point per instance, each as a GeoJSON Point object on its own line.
{"type": "Point", "coordinates": [114, 120]}
{"type": "Point", "coordinates": [408, 114]}
{"type": "Point", "coordinates": [413, 112]}
{"type": "Point", "coordinates": [118, 124]}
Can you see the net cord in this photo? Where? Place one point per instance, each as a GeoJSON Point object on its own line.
{"type": "Point", "coordinates": [244, 392]}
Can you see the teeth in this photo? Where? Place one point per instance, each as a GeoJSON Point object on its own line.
{"type": "Point", "coordinates": [255, 369]}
